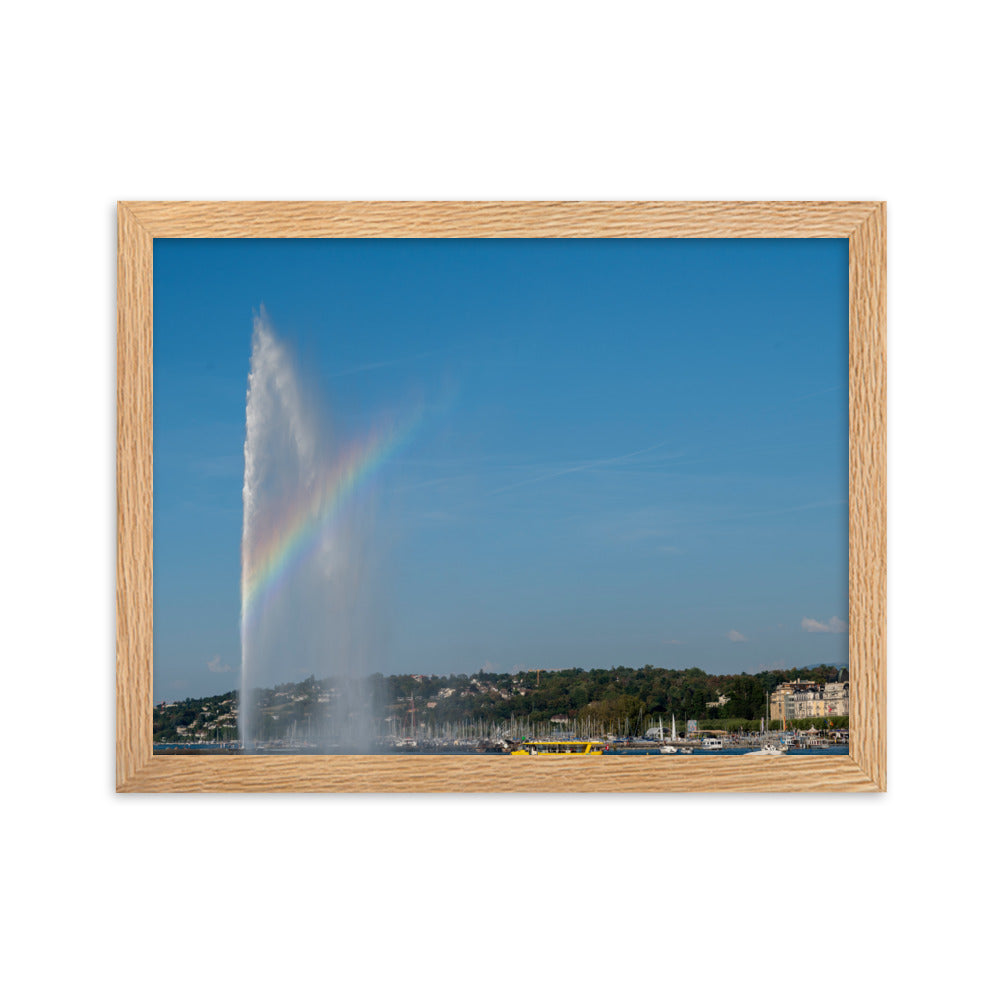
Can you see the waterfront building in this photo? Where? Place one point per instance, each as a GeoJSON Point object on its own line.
{"type": "Point", "coordinates": [809, 700]}
{"type": "Point", "coordinates": [835, 699]}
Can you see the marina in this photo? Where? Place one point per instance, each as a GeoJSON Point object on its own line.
{"type": "Point", "coordinates": [776, 744]}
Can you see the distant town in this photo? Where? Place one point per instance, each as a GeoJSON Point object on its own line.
{"type": "Point", "coordinates": [613, 703]}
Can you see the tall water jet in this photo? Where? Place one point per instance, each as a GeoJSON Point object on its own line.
{"type": "Point", "coordinates": [305, 608]}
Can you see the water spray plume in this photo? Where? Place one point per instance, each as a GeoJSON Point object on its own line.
{"type": "Point", "coordinates": [306, 527]}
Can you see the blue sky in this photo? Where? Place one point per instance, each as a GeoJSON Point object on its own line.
{"type": "Point", "coordinates": [630, 451]}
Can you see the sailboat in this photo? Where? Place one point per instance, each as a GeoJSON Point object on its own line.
{"type": "Point", "coordinates": [673, 736]}
{"type": "Point", "coordinates": [768, 749]}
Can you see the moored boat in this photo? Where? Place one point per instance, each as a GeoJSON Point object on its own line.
{"type": "Point", "coordinates": [671, 747]}
{"type": "Point", "coordinates": [580, 747]}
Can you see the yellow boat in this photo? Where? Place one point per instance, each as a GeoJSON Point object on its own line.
{"type": "Point", "coordinates": [586, 747]}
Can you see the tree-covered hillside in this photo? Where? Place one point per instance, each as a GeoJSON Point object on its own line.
{"type": "Point", "coordinates": [621, 699]}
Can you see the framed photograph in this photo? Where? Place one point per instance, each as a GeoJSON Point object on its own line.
{"type": "Point", "coordinates": [501, 496]}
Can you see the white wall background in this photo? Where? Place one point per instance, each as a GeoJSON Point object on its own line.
{"type": "Point", "coordinates": [275, 896]}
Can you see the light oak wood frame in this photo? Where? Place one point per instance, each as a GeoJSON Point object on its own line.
{"type": "Point", "coordinates": [862, 223]}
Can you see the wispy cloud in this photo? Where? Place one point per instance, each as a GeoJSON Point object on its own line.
{"type": "Point", "coordinates": [673, 642]}
{"type": "Point", "coordinates": [584, 466]}
{"type": "Point", "coordinates": [216, 666]}
{"type": "Point", "coordinates": [733, 636]}
{"type": "Point", "coordinates": [390, 363]}
{"type": "Point", "coordinates": [833, 625]}
{"type": "Point", "coordinates": [771, 512]}
{"type": "Point", "coordinates": [438, 481]}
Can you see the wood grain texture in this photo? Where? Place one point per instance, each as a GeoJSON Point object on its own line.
{"type": "Point", "coordinates": [500, 774]}
{"type": "Point", "coordinates": [867, 493]}
{"type": "Point", "coordinates": [288, 219]}
{"type": "Point", "coordinates": [134, 479]}
{"type": "Point", "coordinates": [862, 223]}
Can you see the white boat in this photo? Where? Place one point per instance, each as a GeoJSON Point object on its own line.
{"type": "Point", "coordinates": [673, 736]}
{"type": "Point", "coordinates": [768, 749]}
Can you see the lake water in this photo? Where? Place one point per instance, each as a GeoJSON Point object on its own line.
{"type": "Point", "coordinates": [218, 748]}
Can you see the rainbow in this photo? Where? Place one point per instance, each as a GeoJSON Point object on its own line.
{"type": "Point", "coordinates": [298, 533]}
